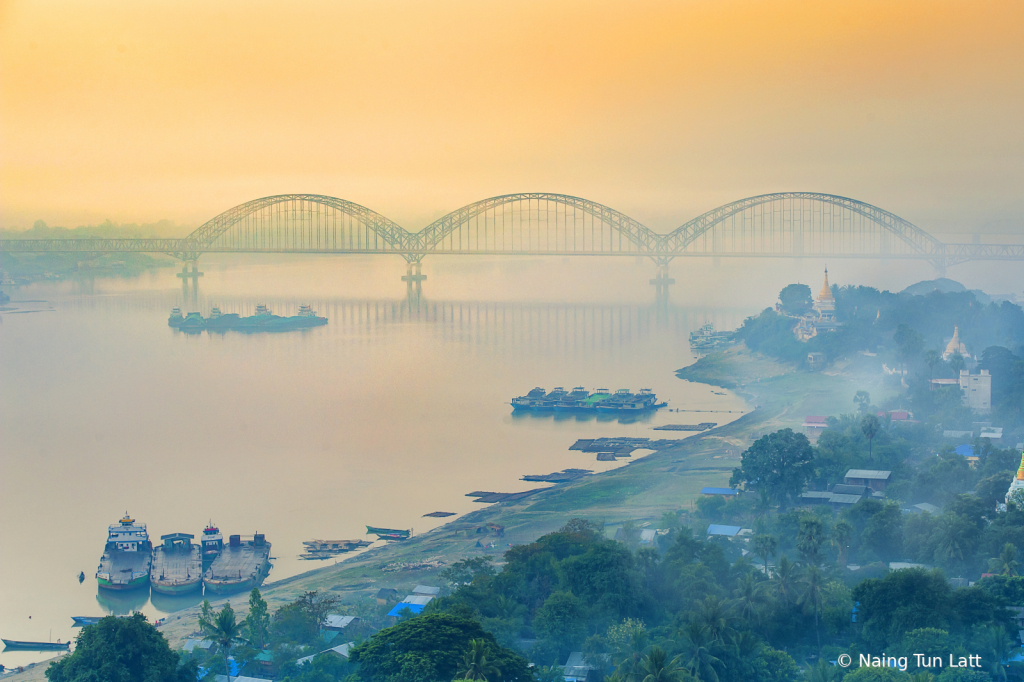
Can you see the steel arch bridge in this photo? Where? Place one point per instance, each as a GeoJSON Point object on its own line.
{"type": "Point", "coordinates": [780, 225]}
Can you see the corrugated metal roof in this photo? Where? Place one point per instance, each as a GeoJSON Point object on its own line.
{"type": "Point", "coordinates": [845, 499]}
{"type": "Point", "coordinates": [419, 599]}
{"type": "Point", "coordinates": [727, 531]}
{"type": "Point", "coordinates": [718, 491]}
{"type": "Point", "coordinates": [426, 589]}
{"type": "Point", "coordinates": [415, 608]}
{"type": "Point", "coordinates": [868, 473]}
{"type": "Point", "coordinates": [339, 621]}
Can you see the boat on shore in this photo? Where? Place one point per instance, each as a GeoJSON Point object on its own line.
{"type": "Point", "coordinates": [82, 621]}
{"type": "Point", "coordinates": [240, 566]}
{"type": "Point", "coordinates": [263, 320]}
{"type": "Point", "coordinates": [177, 565]}
{"type": "Point", "coordinates": [127, 557]}
{"type": "Point", "coordinates": [389, 533]}
{"type": "Point", "coordinates": [35, 646]}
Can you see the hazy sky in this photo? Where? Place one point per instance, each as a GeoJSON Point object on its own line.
{"type": "Point", "coordinates": [138, 111]}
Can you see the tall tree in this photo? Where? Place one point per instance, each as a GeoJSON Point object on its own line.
{"type": "Point", "coordinates": [870, 426]}
{"type": "Point", "coordinates": [656, 667]}
{"type": "Point", "coordinates": [1006, 563]}
{"type": "Point", "coordinates": [841, 534]}
{"type": "Point", "coordinates": [765, 546]}
{"type": "Point", "coordinates": [779, 462]}
{"type": "Point", "coordinates": [796, 299]}
{"type": "Point", "coordinates": [810, 539]}
{"type": "Point", "coordinates": [812, 595]}
{"type": "Point", "coordinates": [257, 622]}
{"type": "Point", "coordinates": [475, 665]}
{"type": "Point", "coordinates": [224, 631]}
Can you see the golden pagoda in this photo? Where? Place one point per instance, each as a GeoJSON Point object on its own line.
{"type": "Point", "coordinates": [1018, 482]}
{"type": "Point", "coordinates": [826, 292]}
{"type": "Point", "coordinates": [825, 304]}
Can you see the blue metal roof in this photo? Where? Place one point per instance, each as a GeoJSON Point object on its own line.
{"type": "Point", "coordinates": [728, 531]}
{"type": "Point", "coordinates": [718, 491]}
{"type": "Point", "coordinates": [965, 450]}
{"type": "Point", "coordinates": [397, 611]}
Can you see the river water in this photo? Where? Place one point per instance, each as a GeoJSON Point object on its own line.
{"type": "Point", "coordinates": [391, 411]}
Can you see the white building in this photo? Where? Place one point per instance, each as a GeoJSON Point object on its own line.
{"type": "Point", "coordinates": [976, 390]}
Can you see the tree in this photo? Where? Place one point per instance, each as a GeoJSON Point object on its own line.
{"type": "Point", "coordinates": [863, 400]}
{"type": "Point", "coordinates": [957, 537]}
{"type": "Point", "coordinates": [1006, 563]}
{"type": "Point", "coordinates": [867, 674]}
{"type": "Point", "coordinates": [475, 665]}
{"type": "Point", "coordinates": [909, 343]}
{"type": "Point", "coordinates": [956, 364]}
{"type": "Point", "coordinates": [561, 621]}
{"type": "Point", "coordinates": [772, 665]}
{"type": "Point", "coordinates": [628, 643]}
{"type": "Point", "coordinates": [796, 299]}
{"type": "Point", "coordinates": [257, 622]}
{"type": "Point", "coordinates": [810, 539]}
{"type": "Point", "coordinates": [841, 534]}
{"type": "Point", "coordinates": [121, 649]}
{"type": "Point", "coordinates": [701, 663]}
{"type": "Point", "coordinates": [779, 462]}
{"type": "Point", "coordinates": [765, 546]}
{"type": "Point", "coordinates": [748, 599]}
{"type": "Point", "coordinates": [318, 605]}
{"type": "Point", "coordinates": [883, 532]}
{"type": "Point", "coordinates": [656, 667]}
{"type": "Point", "coordinates": [932, 359]}
{"type": "Point", "coordinates": [223, 630]}
{"type": "Point", "coordinates": [823, 671]}
{"type": "Point", "coordinates": [870, 426]}
{"type": "Point", "coordinates": [784, 580]}
{"type": "Point", "coordinates": [432, 647]}
{"type": "Point", "coordinates": [812, 595]}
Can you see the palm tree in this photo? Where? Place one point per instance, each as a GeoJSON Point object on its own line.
{"type": "Point", "coordinates": [922, 676]}
{"type": "Point", "coordinates": [813, 595]}
{"type": "Point", "coordinates": [713, 617]}
{"type": "Point", "coordinates": [957, 364]}
{"type": "Point", "coordinates": [841, 533]}
{"type": "Point", "coordinates": [749, 599]}
{"type": "Point", "coordinates": [823, 671]}
{"type": "Point", "coordinates": [1006, 564]}
{"type": "Point", "coordinates": [702, 662]}
{"type": "Point", "coordinates": [475, 665]}
{"type": "Point", "coordinates": [932, 358]}
{"type": "Point", "coordinates": [870, 426]}
{"type": "Point", "coordinates": [954, 539]}
{"type": "Point", "coordinates": [765, 546]}
{"type": "Point", "coordinates": [630, 652]}
{"type": "Point", "coordinates": [656, 667]}
{"type": "Point", "coordinates": [784, 580]}
{"type": "Point", "coordinates": [997, 647]}
{"type": "Point", "coordinates": [224, 631]}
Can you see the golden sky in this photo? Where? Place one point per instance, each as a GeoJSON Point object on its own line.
{"type": "Point", "coordinates": [138, 111]}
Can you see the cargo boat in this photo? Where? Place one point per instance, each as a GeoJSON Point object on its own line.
{"type": "Point", "coordinates": [82, 621]}
{"type": "Point", "coordinates": [212, 542]}
{"type": "Point", "coordinates": [706, 338]}
{"type": "Point", "coordinates": [389, 533]}
{"type": "Point", "coordinates": [602, 400]}
{"type": "Point", "coordinates": [525, 402]}
{"type": "Point", "coordinates": [240, 566]}
{"type": "Point", "coordinates": [263, 320]}
{"type": "Point", "coordinates": [127, 557]}
{"type": "Point", "coordinates": [177, 565]}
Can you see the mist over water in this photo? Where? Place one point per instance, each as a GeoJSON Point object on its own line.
{"type": "Point", "coordinates": [391, 411]}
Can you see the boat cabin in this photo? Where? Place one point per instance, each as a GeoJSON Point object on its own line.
{"type": "Point", "coordinates": [177, 542]}
{"type": "Point", "coordinates": [127, 536]}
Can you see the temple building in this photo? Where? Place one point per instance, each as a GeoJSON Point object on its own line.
{"type": "Point", "coordinates": [823, 319]}
{"type": "Point", "coordinates": [955, 346]}
{"type": "Point", "coordinates": [1018, 481]}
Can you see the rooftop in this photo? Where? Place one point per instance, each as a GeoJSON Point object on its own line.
{"type": "Point", "coordinates": [727, 531]}
{"type": "Point", "coordinates": [718, 491]}
{"type": "Point", "coordinates": [870, 474]}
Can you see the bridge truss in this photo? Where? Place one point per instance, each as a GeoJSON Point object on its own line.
{"type": "Point", "coordinates": [781, 225]}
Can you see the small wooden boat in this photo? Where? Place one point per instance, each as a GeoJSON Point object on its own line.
{"type": "Point", "coordinates": [389, 533]}
{"type": "Point", "coordinates": [35, 646]}
{"type": "Point", "coordinates": [81, 621]}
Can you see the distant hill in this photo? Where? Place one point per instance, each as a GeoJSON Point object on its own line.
{"type": "Point", "coordinates": [941, 284]}
{"type": "Point", "coordinates": [945, 286]}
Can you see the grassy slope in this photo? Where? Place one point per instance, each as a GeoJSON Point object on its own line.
{"type": "Point", "coordinates": [643, 490]}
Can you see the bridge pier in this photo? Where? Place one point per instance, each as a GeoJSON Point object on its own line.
{"type": "Point", "coordinates": [187, 275]}
{"type": "Point", "coordinates": [413, 279]}
{"type": "Point", "coordinates": [662, 282]}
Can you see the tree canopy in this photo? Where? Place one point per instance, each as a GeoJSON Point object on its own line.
{"type": "Point", "coordinates": [121, 650]}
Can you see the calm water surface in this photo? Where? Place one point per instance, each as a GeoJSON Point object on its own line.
{"type": "Point", "coordinates": [389, 412]}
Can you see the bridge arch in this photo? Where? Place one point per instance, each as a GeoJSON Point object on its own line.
{"type": "Point", "coordinates": [298, 222]}
{"type": "Point", "coordinates": [802, 223]}
{"type": "Point", "coordinates": [536, 222]}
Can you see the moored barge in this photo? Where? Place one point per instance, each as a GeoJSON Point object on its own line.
{"type": "Point", "coordinates": [240, 566]}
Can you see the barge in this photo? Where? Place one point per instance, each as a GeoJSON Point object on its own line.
{"type": "Point", "coordinates": [177, 565]}
{"type": "Point", "coordinates": [263, 320]}
{"type": "Point", "coordinates": [127, 557]}
{"type": "Point", "coordinates": [580, 400]}
{"type": "Point", "coordinates": [240, 566]}
{"type": "Point", "coordinates": [389, 533]}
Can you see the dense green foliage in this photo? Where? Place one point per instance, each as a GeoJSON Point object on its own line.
{"type": "Point", "coordinates": [121, 650]}
{"type": "Point", "coordinates": [435, 647]}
